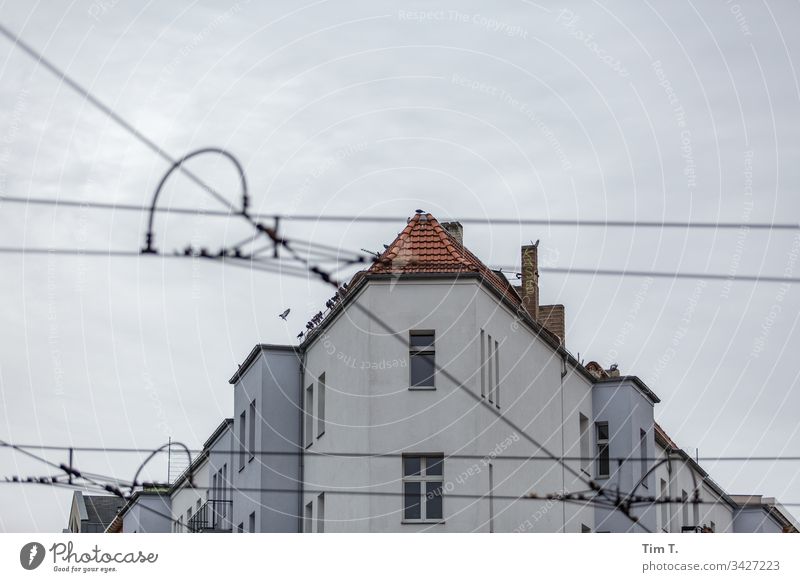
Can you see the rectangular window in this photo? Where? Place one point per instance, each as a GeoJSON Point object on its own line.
{"type": "Point", "coordinates": [309, 415]}
{"type": "Point", "coordinates": [242, 433]}
{"type": "Point", "coordinates": [489, 371]}
{"type": "Point", "coordinates": [251, 436]}
{"type": "Point", "coordinates": [684, 508]}
{"type": "Point", "coordinates": [483, 364]}
{"type": "Point", "coordinates": [585, 442]}
{"type": "Point", "coordinates": [309, 511]}
{"type": "Point", "coordinates": [643, 456]}
{"type": "Point", "coordinates": [497, 374]}
{"type": "Point", "coordinates": [664, 507]}
{"type": "Point", "coordinates": [603, 460]}
{"type": "Point", "coordinates": [422, 359]}
{"type": "Point", "coordinates": [252, 522]}
{"type": "Point", "coordinates": [321, 406]}
{"type": "Point", "coordinates": [422, 487]}
{"type": "Point", "coordinates": [321, 513]}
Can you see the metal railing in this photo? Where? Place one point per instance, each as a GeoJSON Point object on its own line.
{"type": "Point", "coordinates": [213, 516]}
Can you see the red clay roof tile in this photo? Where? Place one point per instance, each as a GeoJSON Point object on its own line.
{"type": "Point", "coordinates": [424, 246]}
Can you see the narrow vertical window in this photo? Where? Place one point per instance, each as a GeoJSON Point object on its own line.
{"type": "Point", "coordinates": [585, 442]}
{"type": "Point", "coordinates": [684, 508]}
{"type": "Point", "coordinates": [489, 372]}
{"type": "Point", "coordinates": [242, 433]}
{"type": "Point", "coordinates": [643, 456]}
{"type": "Point", "coordinates": [321, 406]}
{"type": "Point", "coordinates": [309, 406]}
{"type": "Point", "coordinates": [491, 498]}
{"type": "Point", "coordinates": [252, 522]}
{"type": "Point", "coordinates": [497, 374]}
{"type": "Point", "coordinates": [251, 436]}
{"type": "Point", "coordinates": [321, 513]}
{"type": "Point", "coordinates": [664, 506]}
{"type": "Point", "coordinates": [483, 364]}
{"type": "Point", "coordinates": [422, 359]}
{"type": "Point", "coordinates": [603, 460]}
{"type": "Point", "coordinates": [309, 511]}
{"type": "Point", "coordinates": [422, 487]}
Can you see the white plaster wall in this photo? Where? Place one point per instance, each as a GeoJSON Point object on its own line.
{"type": "Point", "coordinates": [370, 409]}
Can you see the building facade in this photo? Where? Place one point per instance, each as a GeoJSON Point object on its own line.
{"type": "Point", "coordinates": [433, 395]}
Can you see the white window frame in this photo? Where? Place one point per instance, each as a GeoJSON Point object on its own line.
{"type": "Point", "coordinates": [251, 432]}
{"type": "Point", "coordinates": [585, 441]}
{"type": "Point", "coordinates": [321, 405]}
{"type": "Point", "coordinates": [308, 405]}
{"type": "Point", "coordinates": [423, 479]}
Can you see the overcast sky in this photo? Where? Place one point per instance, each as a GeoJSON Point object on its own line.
{"type": "Point", "coordinates": [636, 110]}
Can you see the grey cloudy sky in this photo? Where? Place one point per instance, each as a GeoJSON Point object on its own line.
{"type": "Point", "coordinates": [634, 110]}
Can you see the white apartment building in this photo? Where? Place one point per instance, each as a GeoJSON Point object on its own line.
{"type": "Point", "coordinates": [435, 396]}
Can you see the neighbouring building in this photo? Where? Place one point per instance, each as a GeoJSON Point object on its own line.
{"type": "Point", "coordinates": [430, 396]}
{"type": "Point", "coordinates": [92, 513]}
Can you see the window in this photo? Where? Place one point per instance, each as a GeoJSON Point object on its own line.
{"type": "Point", "coordinates": [307, 516]}
{"type": "Point", "coordinates": [483, 364]}
{"type": "Point", "coordinates": [240, 528]}
{"type": "Point", "coordinates": [252, 522]}
{"type": "Point", "coordinates": [251, 435]}
{"type": "Point", "coordinates": [684, 508]}
{"type": "Point", "coordinates": [664, 507]}
{"type": "Point", "coordinates": [422, 357]}
{"type": "Point", "coordinates": [585, 442]}
{"type": "Point", "coordinates": [496, 373]}
{"type": "Point", "coordinates": [713, 527]}
{"type": "Point", "coordinates": [188, 519]}
{"type": "Point", "coordinates": [603, 460]}
{"type": "Point", "coordinates": [309, 403]}
{"type": "Point", "coordinates": [242, 428]}
{"type": "Point", "coordinates": [321, 513]}
{"type": "Point", "coordinates": [321, 406]}
{"type": "Point", "coordinates": [643, 456]}
{"type": "Point", "coordinates": [422, 487]}
{"type": "Point", "coordinates": [585, 528]}
{"type": "Point", "coordinates": [489, 372]}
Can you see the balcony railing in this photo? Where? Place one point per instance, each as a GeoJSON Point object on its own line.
{"type": "Point", "coordinates": [213, 516]}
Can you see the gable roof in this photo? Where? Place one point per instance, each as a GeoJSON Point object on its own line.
{"type": "Point", "coordinates": [425, 247]}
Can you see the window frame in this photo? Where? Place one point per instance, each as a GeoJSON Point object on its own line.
{"type": "Point", "coordinates": [603, 450]}
{"type": "Point", "coordinates": [321, 513]}
{"type": "Point", "coordinates": [585, 442]}
{"type": "Point", "coordinates": [321, 405]}
{"type": "Point", "coordinates": [429, 351]}
{"type": "Point", "coordinates": [242, 436]}
{"type": "Point", "coordinates": [643, 457]}
{"type": "Point", "coordinates": [251, 432]}
{"type": "Point", "coordinates": [423, 479]}
{"type": "Point", "coordinates": [308, 406]}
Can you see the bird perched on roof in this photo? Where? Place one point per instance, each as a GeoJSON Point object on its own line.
{"type": "Point", "coordinates": [284, 314]}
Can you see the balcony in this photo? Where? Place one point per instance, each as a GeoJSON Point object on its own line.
{"type": "Point", "coordinates": [214, 516]}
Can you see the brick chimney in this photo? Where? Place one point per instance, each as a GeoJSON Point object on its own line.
{"type": "Point", "coordinates": [456, 230]}
{"type": "Point", "coordinates": [530, 279]}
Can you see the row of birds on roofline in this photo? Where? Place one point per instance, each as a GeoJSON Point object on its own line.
{"type": "Point", "coordinates": [315, 321]}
